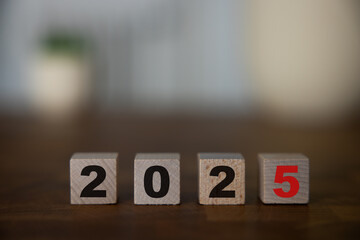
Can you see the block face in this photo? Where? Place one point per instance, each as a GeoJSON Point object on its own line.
{"type": "Point", "coordinates": [283, 178]}
{"type": "Point", "coordinates": [221, 178]}
{"type": "Point", "coordinates": [93, 178]}
{"type": "Point", "coordinates": [157, 179]}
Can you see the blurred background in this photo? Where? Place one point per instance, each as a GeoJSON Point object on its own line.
{"type": "Point", "coordinates": [291, 61]}
{"type": "Point", "coordinates": [183, 76]}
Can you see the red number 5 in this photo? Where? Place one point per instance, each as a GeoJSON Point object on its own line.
{"type": "Point", "coordinates": [279, 178]}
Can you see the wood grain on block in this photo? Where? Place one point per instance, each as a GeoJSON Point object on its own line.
{"type": "Point", "coordinates": [221, 178]}
{"type": "Point", "coordinates": [283, 178]}
{"type": "Point", "coordinates": [157, 178]}
{"type": "Point", "coordinates": [93, 178]}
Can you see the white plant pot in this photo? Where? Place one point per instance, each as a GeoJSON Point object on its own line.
{"type": "Point", "coordinates": [59, 85]}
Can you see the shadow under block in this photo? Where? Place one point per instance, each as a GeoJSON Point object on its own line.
{"type": "Point", "coordinates": [157, 179]}
{"type": "Point", "coordinates": [221, 178]}
{"type": "Point", "coordinates": [93, 178]}
{"type": "Point", "coordinates": [283, 178]}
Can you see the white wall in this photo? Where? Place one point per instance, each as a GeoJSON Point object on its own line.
{"type": "Point", "coordinates": [151, 55]}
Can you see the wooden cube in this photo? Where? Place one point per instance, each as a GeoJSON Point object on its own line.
{"type": "Point", "coordinates": [221, 178]}
{"type": "Point", "coordinates": [283, 178]}
{"type": "Point", "coordinates": [93, 178]}
{"type": "Point", "coordinates": [157, 178]}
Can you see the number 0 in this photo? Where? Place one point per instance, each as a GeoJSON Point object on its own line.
{"type": "Point", "coordinates": [148, 181]}
{"type": "Point", "coordinates": [279, 178]}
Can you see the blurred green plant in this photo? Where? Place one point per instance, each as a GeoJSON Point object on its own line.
{"type": "Point", "coordinates": [64, 44]}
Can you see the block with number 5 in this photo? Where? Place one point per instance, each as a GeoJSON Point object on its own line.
{"type": "Point", "coordinates": [221, 178]}
{"type": "Point", "coordinates": [283, 178]}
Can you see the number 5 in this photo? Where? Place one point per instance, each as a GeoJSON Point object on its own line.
{"type": "Point", "coordinates": [279, 178]}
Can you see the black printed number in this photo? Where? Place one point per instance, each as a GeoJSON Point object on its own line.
{"type": "Point", "coordinates": [148, 181]}
{"type": "Point", "coordinates": [89, 191]}
{"type": "Point", "coordinates": [218, 191]}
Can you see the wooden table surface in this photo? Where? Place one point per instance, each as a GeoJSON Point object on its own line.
{"type": "Point", "coordinates": [34, 175]}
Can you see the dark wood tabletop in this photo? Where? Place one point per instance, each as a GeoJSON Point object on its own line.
{"type": "Point", "coordinates": [34, 175]}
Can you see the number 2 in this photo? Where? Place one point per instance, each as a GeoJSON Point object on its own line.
{"type": "Point", "coordinates": [218, 191]}
{"type": "Point", "coordinates": [279, 178]}
{"type": "Point", "coordinates": [89, 191]}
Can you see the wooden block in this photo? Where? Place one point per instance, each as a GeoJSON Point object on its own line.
{"type": "Point", "coordinates": [221, 178]}
{"type": "Point", "coordinates": [283, 178]}
{"type": "Point", "coordinates": [157, 178]}
{"type": "Point", "coordinates": [93, 178]}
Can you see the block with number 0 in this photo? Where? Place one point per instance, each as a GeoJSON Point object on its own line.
{"type": "Point", "coordinates": [93, 178]}
{"type": "Point", "coordinates": [157, 179]}
{"type": "Point", "coordinates": [283, 178]}
{"type": "Point", "coordinates": [221, 178]}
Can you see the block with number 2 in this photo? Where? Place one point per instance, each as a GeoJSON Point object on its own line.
{"type": "Point", "coordinates": [221, 178]}
{"type": "Point", "coordinates": [93, 178]}
{"type": "Point", "coordinates": [283, 178]}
